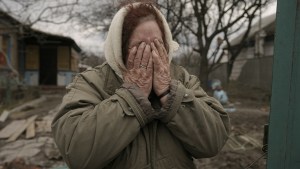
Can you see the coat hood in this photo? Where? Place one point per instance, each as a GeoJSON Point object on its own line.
{"type": "Point", "coordinates": [113, 42]}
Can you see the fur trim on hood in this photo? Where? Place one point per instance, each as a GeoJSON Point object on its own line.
{"type": "Point", "coordinates": [113, 42]}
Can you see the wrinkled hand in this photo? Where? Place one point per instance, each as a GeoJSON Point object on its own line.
{"type": "Point", "coordinates": [140, 68]}
{"type": "Point", "coordinates": [161, 77]}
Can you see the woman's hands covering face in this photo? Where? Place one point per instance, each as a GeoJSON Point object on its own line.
{"type": "Point", "coordinates": [148, 67]}
{"type": "Point", "coordinates": [140, 68]}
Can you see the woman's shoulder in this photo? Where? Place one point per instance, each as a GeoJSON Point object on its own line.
{"type": "Point", "coordinates": [179, 72]}
{"type": "Point", "coordinates": [101, 77]}
{"type": "Point", "coordinates": [95, 75]}
{"type": "Point", "coordinates": [100, 69]}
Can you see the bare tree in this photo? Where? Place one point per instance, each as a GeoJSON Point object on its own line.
{"type": "Point", "coordinates": [96, 15]}
{"type": "Point", "coordinates": [211, 23]}
{"type": "Point", "coordinates": [204, 25]}
{"type": "Point", "coordinates": [30, 12]}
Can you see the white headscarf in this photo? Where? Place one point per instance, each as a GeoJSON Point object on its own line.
{"type": "Point", "coordinates": [113, 42]}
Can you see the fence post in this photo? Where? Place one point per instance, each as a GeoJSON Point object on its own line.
{"type": "Point", "coordinates": [284, 138]}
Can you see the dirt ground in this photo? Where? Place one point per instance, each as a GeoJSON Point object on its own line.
{"type": "Point", "coordinates": [242, 149]}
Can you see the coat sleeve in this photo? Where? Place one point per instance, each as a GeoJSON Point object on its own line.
{"type": "Point", "coordinates": [91, 131]}
{"type": "Point", "coordinates": [196, 119]}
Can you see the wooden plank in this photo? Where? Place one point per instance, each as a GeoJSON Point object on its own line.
{"type": "Point", "coordinates": [32, 103]}
{"type": "Point", "coordinates": [30, 130]}
{"type": "Point", "coordinates": [4, 115]}
{"type": "Point", "coordinates": [22, 129]}
{"type": "Point", "coordinates": [43, 126]}
{"type": "Point", "coordinates": [7, 131]}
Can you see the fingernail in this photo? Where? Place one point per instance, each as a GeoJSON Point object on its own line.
{"type": "Point", "coordinates": [153, 51]}
{"type": "Point", "coordinates": [133, 49]}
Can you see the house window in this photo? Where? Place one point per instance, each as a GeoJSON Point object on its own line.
{"type": "Point", "coordinates": [74, 61]}
{"type": "Point", "coordinates": [63, 58]}
{"type": "Point", "coordinates": [32, 57]}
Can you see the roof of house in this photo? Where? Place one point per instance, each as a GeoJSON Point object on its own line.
{"type": "Point", "coordinates": [53, 38]}
{"type": "Point", "coordinates": [24, 29]}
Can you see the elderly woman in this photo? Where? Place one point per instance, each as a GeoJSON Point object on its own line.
{"type": "Point", "coordinates": [138, 110]}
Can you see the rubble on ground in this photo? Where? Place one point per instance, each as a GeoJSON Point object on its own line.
{"type": "Point", "coordinates": [26, 142]}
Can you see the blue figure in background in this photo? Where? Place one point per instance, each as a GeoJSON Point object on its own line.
{"type": "Point", "coordinates": [222, 96]}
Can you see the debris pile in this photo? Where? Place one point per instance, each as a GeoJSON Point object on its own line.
{"type": "Point", "coordinates": [25, 136]}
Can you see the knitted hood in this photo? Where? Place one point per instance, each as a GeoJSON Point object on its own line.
{"type": "Point", "coordinates": [113, 42]}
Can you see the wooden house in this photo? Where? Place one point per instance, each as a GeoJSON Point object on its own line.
{"type": "Point", "coordinates": [34, 57]}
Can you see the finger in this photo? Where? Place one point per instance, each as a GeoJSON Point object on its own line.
{"type": "Point", "coordinates": [150, 63]}
{"type": "Point", "coordinates": [139, 55]}
{"type": "Point", "coordinates": [146, 56]}
{"type": "Point", "coordinates": [132, 54]}
{"type": "Point", "coordinates": [161, 50]}
{"type": "Point", "coordinates": [164, 48]}
{"type": "Point", "coordinates": [159, 47]}
{"type": "Point", "coordinates": [153, 47]}
{"type": "Point", "coordinates": [159, 59]}
{"type": "Point", "coordinates": [157, 62]}
{"type": "Point", "coordinates": [166, 54]}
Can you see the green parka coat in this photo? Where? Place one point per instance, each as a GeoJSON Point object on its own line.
{"type": "Point", "coordinates": [105, 123]}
